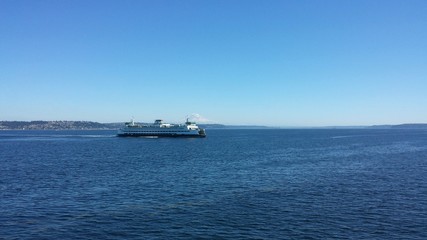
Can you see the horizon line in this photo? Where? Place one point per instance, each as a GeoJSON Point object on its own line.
{"type": "Point", "coordinates": [245, 125]}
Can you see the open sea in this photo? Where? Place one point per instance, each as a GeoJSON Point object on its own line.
{"type": "Point", "coordinates": [233, 184]}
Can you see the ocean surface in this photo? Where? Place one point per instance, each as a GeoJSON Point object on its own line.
{"type": "Point", "coordinates": [234, 184]}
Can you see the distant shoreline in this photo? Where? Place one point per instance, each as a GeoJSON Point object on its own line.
{"type": "Point", "coordinates": [89, 125]}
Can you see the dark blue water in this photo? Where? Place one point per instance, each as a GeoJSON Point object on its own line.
{"type": "Point", "coordinates": [234, 184]}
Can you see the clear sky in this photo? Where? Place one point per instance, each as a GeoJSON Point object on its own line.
{"type": "Point", "coordinates": [278, 63]}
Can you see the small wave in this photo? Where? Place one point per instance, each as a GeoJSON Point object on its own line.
{"type": "Point", "coordinates": [334, 137]}
{"type": "Point", "coordinates": [353, 136]}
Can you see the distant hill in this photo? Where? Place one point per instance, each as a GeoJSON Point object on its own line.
{"type": "Point", "coordinates": [88, 125]}
{"type": "Point", "coordinates": [413, 126]}
{"type": "Point", "coordinates": [51, 125]}
{"type": "Point", "coordinates": [211, 126]}
{"type": "Point", "coordinates": [402, 126]}
{"type": "Point", "coordinates": [221, 126]}
{"type": "Point", "coordinates": [116, 125]}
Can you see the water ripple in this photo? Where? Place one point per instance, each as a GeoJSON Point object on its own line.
{"type": "Point", "coordinates": [235, 184]}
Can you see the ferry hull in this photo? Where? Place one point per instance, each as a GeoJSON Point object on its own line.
{"type": "Point", "coordinates": [170, 135]}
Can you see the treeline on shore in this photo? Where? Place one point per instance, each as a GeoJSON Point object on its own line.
{"type": "Point", "coordinates": [89, 125]}
{"type": "Point", "coordinates": [402, 126]}
{"type": "Point", "coordinates": [53, 125]}
{"type": "Point", "coordinates": [71, 125]}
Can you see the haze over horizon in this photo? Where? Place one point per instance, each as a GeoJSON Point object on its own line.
{"type": "Point", "coordinates": [273, 63]}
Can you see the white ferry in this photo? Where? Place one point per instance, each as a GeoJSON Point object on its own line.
{"type": "Point", "coordinates": [160, 129]}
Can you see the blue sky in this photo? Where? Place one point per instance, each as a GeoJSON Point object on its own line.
{"type": "Point", "coordinates": [278, 63]}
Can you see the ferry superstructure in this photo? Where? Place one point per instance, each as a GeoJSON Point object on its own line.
{"type": "Point", "coordinates": [160, 129]}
